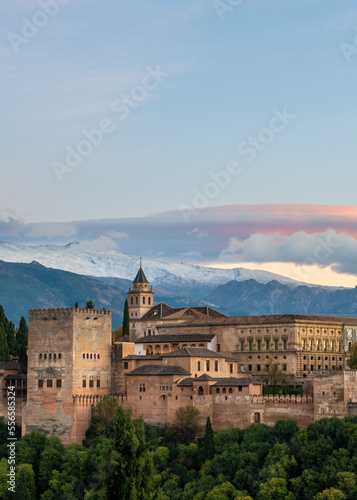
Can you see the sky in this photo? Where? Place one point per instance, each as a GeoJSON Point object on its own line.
{"type": "Point", "coordinates": [208, 117]}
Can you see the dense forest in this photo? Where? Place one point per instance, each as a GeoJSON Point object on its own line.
{"type": "Point", "coordinates": [122, 458]}
{"type": "Point", "coordinates": [13, 342]}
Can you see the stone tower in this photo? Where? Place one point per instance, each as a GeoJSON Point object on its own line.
{"type": "Point", "coordinates": [69, 370]}
{"type": "Point", "coordinates": [140, 299]}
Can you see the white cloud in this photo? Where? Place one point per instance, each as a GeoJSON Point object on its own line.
{"type": "Point", "coordinates": [330, 248]}
{"type": "Point", "coordinates": [198, 233]}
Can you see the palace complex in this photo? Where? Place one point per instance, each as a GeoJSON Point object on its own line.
{"type": "Point", "coordinates": [180, 356]}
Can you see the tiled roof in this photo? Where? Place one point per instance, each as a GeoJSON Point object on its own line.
{"type": "Point", "coordinates": [16, 377]}
{"type": "Point", "coordinates": [235, 382]}
{"type": "Point", "coordinates": [9, 365]}
{"type": "Point", "coordinates": [188, 351]}
{"type": "Point", "coordinates": [186, 382]}
{"type": "Point", "coordinates": [163, 310]}
{"type": "Point", "coordinates": [142, 356]}
{"type": "Point", "coordinates": [204, 377]}
{"type": "Point", "coordinates": [194, 337]}
{"type": "Point", "coordinates": [261, 320]}
{"type": "Point", "coordinates": [159, 370]}
{"type": "Point", "coordinates": [140, 277]}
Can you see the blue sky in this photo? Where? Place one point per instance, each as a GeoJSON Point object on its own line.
{"type": "Point", "coordinates": [224, 79]}
{"type": "Point", "coordinates": [115, 110]}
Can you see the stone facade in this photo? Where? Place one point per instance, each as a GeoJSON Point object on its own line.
{"type": "Point", "coordinates": [69, 368]}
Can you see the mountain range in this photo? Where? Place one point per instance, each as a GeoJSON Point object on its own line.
{"type": "Point", "coordinates": [46, 276]}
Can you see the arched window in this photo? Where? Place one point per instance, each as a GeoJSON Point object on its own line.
{"type": "Point", "coordinates": [54, 356]}
{"type": "Point", "coordinates": [98, 357]}
{"type": "Point", "coordinates": [95, 356]}
{"type": "Point", "coordinates": [40, 356]}
{"type": "Point", "coordinates": [50, 356]}
{"type": "Point", "coordinates": [230, 390]}
{"type": "Point", "coordinates": [200, 391]}
{"type": "Point", "coordinates": [224, 390]}
{"type": "Point", "coordinates": [45, 356]}
{"type": "Point", "coordinates": [59, 355]}
{"type": "Point", "coordinates": [143, 300]}
{"type": "Point", "coordinates": [91, 356]}
{"type": "Point", "coordinates": [218, 390]}
{"type": "Point", "coordinates": [84, 355]}
{"type": "Point", "coordinates": [149, 349]}
{"type": "Point", "coordinates": [149, 301]}
{"type": "Point", "coordinates": [131, 300]}
{"type": "Point", "coordinates": [87, 356]}
{"type": "Point", "coordinates": [157, 349]}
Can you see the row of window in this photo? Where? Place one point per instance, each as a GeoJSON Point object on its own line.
{"type": "Point", "coordinates": [142, 387]}
{"type": "Point", "coordinates": [267, 331]}
{"type": "Point", "coordinates": [90, 356]}
{"type": "Point", "coordinates": [50, 383]}
{"type": "Point", "coordinates": [137, 300]}
{"type": "Point", "coordinates": [208, 366]}
{"type": "Point", "coordinates": [320, 367]}
{"type": "Point", "coordinates": [267, 345]}
{"type": "Point", "coordinates": [258, 367]}
{"type": "Point", "coordinates": [165, 387]}
{"type": "Point", "coordinates": [326, 358]}
{"type": "Point", "coordinates": [50, 355]}
{"type": "Point", "coordinates": [320, 346]}
{"type": "Point", "coordinates": [91, 383]}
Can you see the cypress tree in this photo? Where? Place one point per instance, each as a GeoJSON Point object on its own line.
{"type": "Point", "coordinates": [126, 323]}
{"type": "Point", "coordinates": [76, 306]}
{"type": "Point", "coordinates": [21, 487]}
{"type": "Point", "coordinates": [10, 337]}
{"type": "Point", "coordinates": [21, 341]}
{"type": "Point", "coordinates": [4, 350]}
{"type": "Point", "coordinates": [208, 441]}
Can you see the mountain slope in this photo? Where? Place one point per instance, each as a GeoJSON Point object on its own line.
{"type": "Point", "coordinates": [33, 286]}
{"type": "Point", "coordinates": [253, 298]}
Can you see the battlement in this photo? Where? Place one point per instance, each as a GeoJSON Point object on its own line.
{"type": "Point", "coordinates": [66, 313]}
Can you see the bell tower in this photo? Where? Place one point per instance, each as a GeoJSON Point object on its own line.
{"type": "Point", "coordinates": [140, 298]}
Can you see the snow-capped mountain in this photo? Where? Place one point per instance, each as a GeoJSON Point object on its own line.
{"type": "Point", "coordinates": [77, 258]}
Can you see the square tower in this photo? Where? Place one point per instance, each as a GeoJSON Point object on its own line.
{"type": "Point", "coordinates": [69, 370]}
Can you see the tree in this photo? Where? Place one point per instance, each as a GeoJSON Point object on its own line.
{"type": "Point", "coordinates": [274, 374]}
{"type": "Point", "coordinates": [102, 420]}
{"type": "Point", "coordinates": [90, 304]}
{"type": "Point", "coordinates": [21, 341]}
{"type": "Point", "coordinates": [126, 322]}
{"type": "Point", "coordinates": [186, 423]}
{"type": "Point", "coordinates": [4, 350]}
{"type": "Point", "coordinates": [208, 441]}
{"type": "Point", "coordinates": [128, 467]}
{"type": "Point", "coordinates": [331, 494]}
{"type": "Point", "coordinates": [76, 306]}
{"type": "Point", "coordinates": [352, 357]}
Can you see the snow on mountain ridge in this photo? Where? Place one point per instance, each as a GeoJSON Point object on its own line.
{"type": "Point", "coordinates": [79, 258]}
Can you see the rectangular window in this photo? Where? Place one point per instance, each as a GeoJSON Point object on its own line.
{"type": "Point", "coordinates": [198, 366]}
{"type": "Point", "coordinates": [284, 368]}
{"type": "Point", "coordinates": [339, 345]}
{"type": "Point", "coordinates": [249, 368]}
{"type": "Point", "coordinates": [332, 345]}
{"type": "Point", "coordinates": [142, 388]}
{"type": "Point", "coordinates": [207, 365]}
{"type": "Point", "coordinates": [285, 344]}
{"type": "Point", "coordinates": [218, 347]}
{"type": "Point", "coordinates": [267, 345]}
{"type": "Point", "coordinates": [325, 346]}
{"type": "Point", "coordinates": [49, 382]}
{"type": "Point", "coordinates": [98, 382]}
{"type": "Point", "coordinates": [58, 383]}
{"type": "Point", "coordinates": [40, 383]}
{"type": "Point", "coordinates": [231, 368]}
{"type": "Point", "coordinates": [250, 345]}
{"type": "Point", "coordinates": [303, 345]}
{"type": "Point", "coordinates": [259, 345]}
{"type": "Point", "coordinates": [242, 345]}
{"type": "Point", "coordinates": [91, 382]}
{"type": "Point", "coordinates": [304, 368]}
{"type": "Point", "coordinates": [240, 388]}
{"type": "Point", "coordinates": [258, 368]}
{"type": "Point", "coordinates": [310, 345]}
{"type": "Point", "coordinates": [84, 383]}
{"type": "Point", "coordinates": [312, 368]}
{"type": "Point", "coordinates": [318, 345]}
{"type": "Point", "coordinates": [276, 345]}
{"type": "Point", "coordinates": [216, 366]}
{"type": "Point", "coordinates": [126, 365]}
